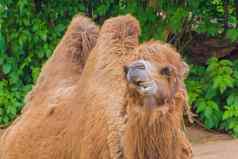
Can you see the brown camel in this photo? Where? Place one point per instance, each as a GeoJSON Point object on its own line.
{"type": "Point", "coordinates": [105, 115]}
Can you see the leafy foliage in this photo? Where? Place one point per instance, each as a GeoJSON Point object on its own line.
{"type": "Point", "coordinates": [214, 94]}
{"type": "Point", "coordinates": [30, 30]}
{"type": "Point", "coordinates": [28, 37]}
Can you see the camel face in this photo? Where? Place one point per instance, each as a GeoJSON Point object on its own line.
{"type": "Point", "coordinates": [154, 82]}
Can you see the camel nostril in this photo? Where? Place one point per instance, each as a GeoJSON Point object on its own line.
{"type": "Point", "coordinates": [136, 73]}
{"type": "Point", "coordinates": [139, 66]}
{"type": "Point", "coordinates": [138, 82]}
{"type": "Point", "coordinates": [137, 77]}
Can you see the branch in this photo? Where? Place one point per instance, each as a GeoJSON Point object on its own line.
{"type": "Point", "coordinates": [236, 6]}
{"type": "Point", "coordinates": [226, 15]}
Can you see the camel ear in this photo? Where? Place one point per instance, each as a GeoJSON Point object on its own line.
{"type": "Point", "coordinates": [184, 70]}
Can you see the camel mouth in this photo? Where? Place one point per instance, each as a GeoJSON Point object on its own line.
{"type": "Point", "coordinates": [146, 88]}
{"type": "Point", "coordinates": [139, 83]}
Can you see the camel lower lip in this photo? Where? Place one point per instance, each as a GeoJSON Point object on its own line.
{"type": "Point", "coordinates": [147, 88]}
{"type": "Point", "coordinates": [141, 83]}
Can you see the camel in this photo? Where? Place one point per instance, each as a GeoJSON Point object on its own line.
{"type": "Point", "coordinates": [106, 114]}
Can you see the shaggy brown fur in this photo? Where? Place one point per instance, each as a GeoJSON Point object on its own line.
{"type": "Point", "coordinates": [98, 134]}
{"type": "Point", "coordinates": [86, 123]}
{"type": "Point", "coordinates": [155, 132]}
{"type": "Point", "coordinates": [66, 64]}
{"type": "Point", "coordinates": [39, 131]}
{"type": "Point", "coordinates": [97, 118]}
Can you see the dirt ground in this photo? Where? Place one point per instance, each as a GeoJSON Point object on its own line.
{"type": "Point", "coordinates": [209, 145]}
{"type": "Point", "coordinates": [212, 145]}
{"type": "Point", "coordinates": [198, 135]}
{"type": "Point", "coordinates": [227, 149]}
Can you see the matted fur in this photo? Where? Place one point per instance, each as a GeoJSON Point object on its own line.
{"type": "Point", "coordinates": [95, 119]}
{"type": "Point", "coordinates": [99, 117]}
{"type": "Point", "coordinates": [40, 131]}
{"type": "Point", "coordinates": [86, 123]}
{"type": "Point", "coordinates": [155, 133]}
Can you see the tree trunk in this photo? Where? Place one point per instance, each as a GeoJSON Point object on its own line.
{"type": "Point", "coordinates": [226, 15]}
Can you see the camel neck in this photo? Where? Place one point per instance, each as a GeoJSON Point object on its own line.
{"type": "Point", "coordinates": [148, 135]}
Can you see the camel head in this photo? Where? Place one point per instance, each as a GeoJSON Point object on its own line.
{"type": "Point", "coordinates": [156, 75]}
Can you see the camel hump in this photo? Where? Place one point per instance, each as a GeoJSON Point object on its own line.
{"type": "Point", "coordinates": [122, 27]}
{"type": "Point", "coordinates": [81, 37]}
{"type": "Point", "coordinates": [69, 56]}
{"type": "Point", "coordinates": [82, 23]}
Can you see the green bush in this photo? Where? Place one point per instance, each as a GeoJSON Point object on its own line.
{"type": "Point", "coordinates": [28, 36]}
{"type": "Point", "coordinates": [213, 92]}
{"type": "Point", "coordinates": [31, 29]}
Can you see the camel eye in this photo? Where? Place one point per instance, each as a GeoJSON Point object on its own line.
{"type": "Point", "coordinates": [167, 71]}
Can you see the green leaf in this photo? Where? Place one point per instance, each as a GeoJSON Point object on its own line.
{"type": "Point", "coordinates": [1, 111]}
{"type": "Point", "coordinates": [193, 4]}
{"type": "Point", "coordinates": [6, 119]}
{"type": "Point", "coordinates": [226, 115]}
{"type": "Point", "coordinates": [232, 99]}
{"type": "Point", "coordinates": [226, 62]}
{"type": "Point", "coordinates": [2, 43]}
{"type": "Point", "coordinates": [235, 131]}
{"type": "Point", "coordinates": [176, 21]}
{"type": "Point", "coordinates": [35, 73]}
{"type": "Point", "coordinates": [211, 93]}
{"type": "Point", "coordinates": [232, 34]}
{"type": "Point", "coordinates": [201, 106]}
{"type": "Point", "coordinates": [7, 68]}
{"type": "Point", "coordinates": [209, 123]}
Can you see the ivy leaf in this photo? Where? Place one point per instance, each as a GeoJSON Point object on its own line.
{"type": "Point", "coordinates": [201, 106]}
{"type": "Point", "coordinates": [176, 20]}
{"type": "Point", "coordinates": [35, 73]}
{"type": "Point", "coordinates": [193, 4]}
{"type": "Point", "coordinates": [82, 8]}
{"type": "Point", "coordinates": [235, 131]}
{"type": "Point", "coordinates": [11, 110]}
{"type": "Point", "coordinates": [2, 43]}
{"type": "Point", "coordinates": [209, 123]}
{"type": "Point", "coordinates": [232, 99]}
{"type": "Point", "coordinates": [226, 63]}
{"type": "Point", "coordinates": [59, 28]}
{"type": "Point", "coordinates": [211, 93]}
{"type": "Point", "coordinates": [1, 111]}
{"type": "Point", "coordinates": [102, 9]}
{"type": "Point", "coordinates": [5, 119]}
{"type": "Point", "coordinates": [6, 68]}
{"type": "Point", "coordinates": [232, 34]}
